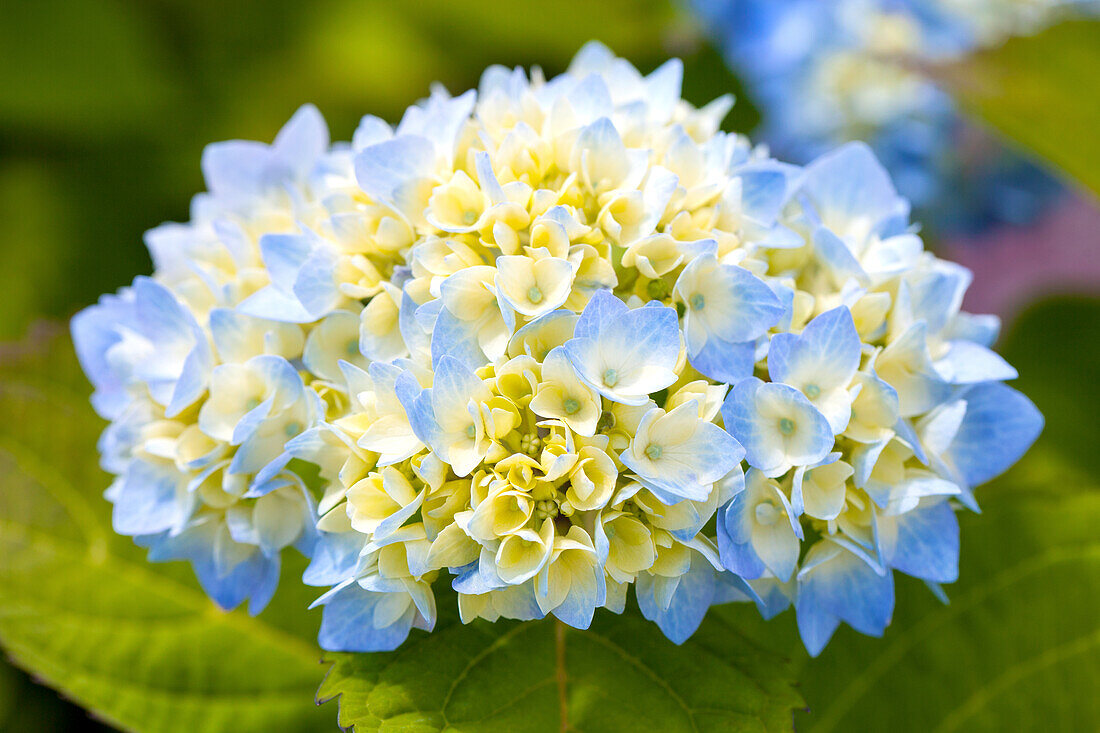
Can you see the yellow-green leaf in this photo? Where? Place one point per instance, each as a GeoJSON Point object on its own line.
{"type": "Point", "coordinates": [1042, 91]}
{"type": "Point", "coordinates": [81, 608]}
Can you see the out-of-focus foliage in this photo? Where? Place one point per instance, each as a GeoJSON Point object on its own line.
{"type": "Point", "coordinates": [1042, 91]}
{"type": "Point", "coordinates": [1057, 348]}
{"type": "Point", "coordinates": [621, 674]}
{"type": "Point", "coordinates": [105, 105]}
{"type": "Point", "coordinates": [100, 74]}
{"type": "Point", "coordinates": [1018, 647]}
{"type": "Point", "coordinates": [80, 607]}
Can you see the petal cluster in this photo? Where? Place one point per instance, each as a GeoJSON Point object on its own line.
{"type": "Point", "coordinates": [538, 343]}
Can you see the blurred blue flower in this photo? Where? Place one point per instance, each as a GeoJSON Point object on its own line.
{"type": "Point", "coordinates": [825, 72]}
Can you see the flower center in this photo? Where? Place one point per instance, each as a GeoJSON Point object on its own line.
{"type": "Point", "coordinates": [469, 217]}
{"type": "Point", "coordinates": [656, 289]}
{"type": "Point", "coordinates": [653, 451]}
{"type": "Point", "coordinates": [611, 377]}
{"type": "Point", "coordinates": [571, 406]}
{"type": "Point", "coordinates": [546, 508]}
{"type": "Point", "coordinates": [352, 348]}
{"type": "Point", "coordinates": [813, 391]}
{"type": "Point", "coordinates": [471, 431]}
{"type": "Point", "coordinates": [292, 429]}
{"type": "Point", "coordinates": [534, 294]}
{"type": "Point", "coordinates": [252, 404]}
{"type": "Point", "coordinates": [786, 426]}
{"type": "Point", "coordinates": [766, 513]}
{"type": "Point", "coordinates": [530, 444]}
{"type": "Point", "coordinates": [607, 421]}
{"type": "Point", "coordinates": [697, 302]}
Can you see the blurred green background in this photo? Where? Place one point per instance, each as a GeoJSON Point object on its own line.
{"type": "Point", "coordinates": [105, 106]}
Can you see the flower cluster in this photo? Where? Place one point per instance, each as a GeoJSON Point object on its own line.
{"type": "Point", "coordinates": [542, 342]}
{"type": "Point", "coordinates": [830, 71]}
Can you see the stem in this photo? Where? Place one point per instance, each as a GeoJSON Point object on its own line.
{"type": "Point", "coordinates": [563, 700]}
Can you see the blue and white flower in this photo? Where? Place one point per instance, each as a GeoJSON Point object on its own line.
{"type": "Point", "coordinates": [530, 338]}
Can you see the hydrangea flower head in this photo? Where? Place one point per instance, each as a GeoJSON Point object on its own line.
{"type": "Point", "coordinates": [545, 341]}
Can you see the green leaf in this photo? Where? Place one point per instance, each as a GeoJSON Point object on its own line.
{"type": "Point", "coordinates": [81, 608]}
{"type": "Point", "coordinates": [1042, 92]}
{"type": "Point", "coordinates": [1056, 348]}
{"type": "Point", "coordinates": [621, 674]}
{"type": "Point", "coordinates": [1018, 647]}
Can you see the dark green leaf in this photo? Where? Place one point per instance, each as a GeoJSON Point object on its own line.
{"type": "Point", "coordinates": [621, 674]}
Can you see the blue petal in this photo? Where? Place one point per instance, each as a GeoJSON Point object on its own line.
{"type": "Point", "coordinates": [234, 168]}
{"type": "Point", "coordinates": [590, 99]}
{"type": "Point", "coordinates": [255, 578]}
{"type": "Point", "coordinates": [147, 500]}
{"type": "Point", "coordinates": [303, 139]}
{"type": "Point", "coordinates": [742, 420]}
{"type": "Point", "coordinates": [968, 363]}
{"type": "Point", "coordinates": [829, 345]}
{"type": "Point", "coordinates": [836, 256]}
{"type": "Point", "coordinates": [271, 303]}
{"type": "Point", "coordinates": [371, 130]}
{"type": "Point", "coordinates": [335, 557]}
{"type": "Point", "coordinates": [578, 609]}
{"type": "Point", "coordinates": [772, 599]}
{"type": "Point", "coordinates": [723, 361]}
{"type": "Point", "coordinates": [693, 596]}
{"type": "Point", "coordinates": [479, 577]}
{"type": "Point", "coordinates": [456, 338]}
{"type": "Point", "coordinates": [94, 331]}
{"type": "Point", "coordinates": [730, 588]}
{"type": "Point", "coordinates": [927, 544]}
{"type": "Point", "coordinates": [838, 582]}
{"type": "Point", "coordinates": [284, 255]}
{"type": "Point", "coordinates": [734, 548]}
{"type": "Point", "coordinates": [384, 168]}
{"type": "Point", "coordinates": [191, 383]}
{"type": "Point", "coordinates": [999, 426]}
{"type": "Point", "coordinates": [415, 336]}
{"type": "Point", "coordinates": [936, 296]}
{"type": "Point", "coordinates": [601, 310]}
{"type": "Point", "coordinates": [764, 191]}
{"type": "Point", "coordinates": [849, 183]}
{"type": "Point", "coordinates": [757, 306]}
{"type": "Point", "coordinates": [316, 287]}
{"type": "Point", "coordinates": [648, 336]}
{"type": "Point", "coordinates": [815, 625]}
{"type": "Point", "coordinates": [418, 407]}
{"type": "Point", "coordinates": [347, 624]}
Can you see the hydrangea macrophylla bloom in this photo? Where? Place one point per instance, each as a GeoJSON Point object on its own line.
{"type": "Point", "coordinates": [545, 341]}
{"type": "Point", "coordinates": [825, 72]}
